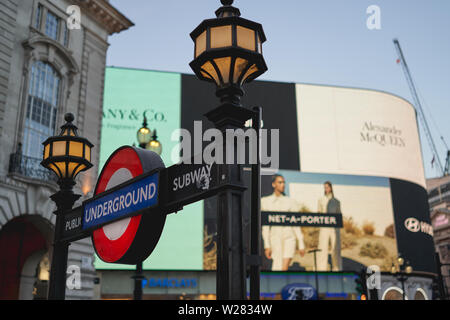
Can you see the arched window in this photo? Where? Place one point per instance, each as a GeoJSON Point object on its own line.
{"type": "Point", "coordinates": [42, 105]}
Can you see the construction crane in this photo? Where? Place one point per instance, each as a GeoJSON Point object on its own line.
{"type": "Point", "coordinates": [419, 109]}
{"type": "Point", "coordinates": [447, 161]}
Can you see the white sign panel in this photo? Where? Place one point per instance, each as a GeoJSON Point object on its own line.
{"type": "Point", "coordinates": [360, 132]}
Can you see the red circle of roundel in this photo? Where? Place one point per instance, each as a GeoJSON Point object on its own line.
{"type": "Point", "coordinates": [113, 250]}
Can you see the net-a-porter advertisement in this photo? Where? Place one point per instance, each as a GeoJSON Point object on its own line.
{"type": "Point", "coordinates": [349, 219]}
{"type": "Point", "coordinates": [350, 181]}
{"type": "Point", "coordinates": [365, 237]}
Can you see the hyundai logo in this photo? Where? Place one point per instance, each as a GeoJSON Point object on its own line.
{"type": "Point", "coordinates": [412, 224]}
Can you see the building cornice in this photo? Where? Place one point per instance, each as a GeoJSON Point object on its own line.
{"type": "Point", "coordinates": [106, 15]}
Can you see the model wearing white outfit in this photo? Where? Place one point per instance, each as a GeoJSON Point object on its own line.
{"type": "Point", "coordinates": [281, 240]}
{"type": "Point", "coordinates": [327, 239]}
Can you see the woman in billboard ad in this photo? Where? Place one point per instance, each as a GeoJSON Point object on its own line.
{"type": "Point", "coordinates": [366, 236]}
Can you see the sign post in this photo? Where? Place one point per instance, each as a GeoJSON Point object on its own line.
{"type": "Point", "coordinates": [133, 195]}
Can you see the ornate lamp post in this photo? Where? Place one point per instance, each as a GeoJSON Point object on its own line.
{"type": "Point", "coordinates": [148, 141]}
{"type": "Point", "coordinates": [66, 155]}
{"type": "Point", "coordinates": [402, 272]}
{"type": "Point", "coordinates": [144, 135]}
{"type": "Point", "coordinates": [228, 53]}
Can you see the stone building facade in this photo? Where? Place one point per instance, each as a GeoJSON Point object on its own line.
{"type": "Point", "coordinates": [47, 68]}
{"type": "Point", "coordinates": [439, 199]}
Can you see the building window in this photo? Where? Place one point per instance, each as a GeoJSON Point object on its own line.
{"type": "Point", "coordinates": [38, 18]}
{"type": "Point", "coordinates": [52, 26]}
{"type": "Point", "coordinates": [42, 106]}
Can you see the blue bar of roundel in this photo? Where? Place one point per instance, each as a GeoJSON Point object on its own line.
{"type": "Point", "coordinates": [122, 210]}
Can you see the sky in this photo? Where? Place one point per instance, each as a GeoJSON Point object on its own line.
{"type": "Point", "coordinates": [316, 41]}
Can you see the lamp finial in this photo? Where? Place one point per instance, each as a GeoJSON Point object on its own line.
{"type": "Point", "coordinates": [227, 10]}
{"type": "Point", "coordinates": [69, 117]}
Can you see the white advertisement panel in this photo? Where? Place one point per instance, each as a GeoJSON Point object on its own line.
{"type": "Point", "coordinates": [356, 131]}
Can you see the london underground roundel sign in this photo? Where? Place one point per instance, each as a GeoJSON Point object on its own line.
{"type": "Point", "coordinates": [132, 239]}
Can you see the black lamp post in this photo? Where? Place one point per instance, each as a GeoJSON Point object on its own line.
{"type": "Point", "coordinates": [402, 272]}
{"type": "Point", "coordinates": [144, 136]}
{"type": "Point", "coordinates": [148, 141]}
{"type": "Point", "coordinates": [228, 53]}
{"type": "Point", "coordinates": [66, 155]}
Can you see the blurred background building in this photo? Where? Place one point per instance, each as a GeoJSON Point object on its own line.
{"type": "Point", "coordinates": [439, 198]}
{"type": "Point", "coordinates": [46, 70]}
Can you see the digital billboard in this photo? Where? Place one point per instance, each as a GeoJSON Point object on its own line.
{"type": "Point", "coordinates": [130, 95]}
{"type": "Point", "coordinates": [364, 143]}
{"type": "Point", "coordinates": [366, 236]}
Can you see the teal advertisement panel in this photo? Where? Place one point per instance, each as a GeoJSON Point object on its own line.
{"type": "Point", "coordinates": [130, 95]}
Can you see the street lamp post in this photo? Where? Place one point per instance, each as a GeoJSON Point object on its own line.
{"type": "Point", "coordinates": [148, 141]}
{"type": "Point", "coordinates": [228, 53]}
{"type": "Point", "coordinates": [145, 139]}
{"type": "Point", "coordinates": [402, 272]}
{"type": "Point", "coordinates": [66, 155]}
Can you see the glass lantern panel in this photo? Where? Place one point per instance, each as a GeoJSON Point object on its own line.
{"type": "Point", "coordinates": [76, 149]}
{"type": "Point", "coordinates": [205, 74]}
{"type": "Point", "coordinates": [72, 167]}
{"type": "Point", "coordinates": [258, 39]}
{"type": "Point", "coordinates": [249, 72]}
{"type": "Point", "coordinates": [209, 68]}
{"type": "Point", "coordinates": [200, 44]}
{"type": "Point", "coordinates": [68, 132]}
{"type": "Point", "coordinates": [79, 169]}
{"type": "Point", "coordinates": [239, 67]}
{"type": "Point", "coordinates": [54, 169]}
{"type": "Point", "coordinates": [46, 151]}
{"type": "Point", "coordinates": [246, 38]}
{"type": "Point", "coordinates": [224, 65]}
{"type": "Point", "coordinates": [59, 148]}
{"type": "Point", "coordinates": [221, 37]}
{"type": "Point", "coordinates": [62, 168]}
{"type": "Point", "coordinates": [87, 152]}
